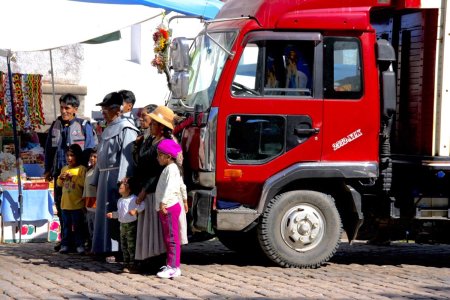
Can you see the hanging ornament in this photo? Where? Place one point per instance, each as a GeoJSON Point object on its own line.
{"type": "Point", "coordinates": [161, 39]}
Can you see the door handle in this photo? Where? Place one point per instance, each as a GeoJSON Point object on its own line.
{"type": "Point", "coordinates": [306, 131]}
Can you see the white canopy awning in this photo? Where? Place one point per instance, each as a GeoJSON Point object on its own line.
{"type": "Point", "coordinates": [30, 25]}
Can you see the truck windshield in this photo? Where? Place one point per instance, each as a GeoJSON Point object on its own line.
{"type": "Point", "coordinates": [208, 60]}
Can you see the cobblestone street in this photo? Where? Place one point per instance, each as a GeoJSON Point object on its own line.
{"type": "Point", "coordinates": [210, 271]}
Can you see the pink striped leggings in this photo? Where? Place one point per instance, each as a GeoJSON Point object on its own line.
{"type": "Point", "coordinates": [171, 234]}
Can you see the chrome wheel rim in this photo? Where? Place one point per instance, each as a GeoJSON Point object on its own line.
{"type": "Point", "coordinates": [303, 227]}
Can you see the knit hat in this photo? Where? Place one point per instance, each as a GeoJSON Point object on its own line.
{"type": "Point", "coordinates": [169, 147]}
{"type": "Point", "coordinates": [163, 115]}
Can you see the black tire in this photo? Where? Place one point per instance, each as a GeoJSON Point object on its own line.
{"type": "Point", "coordinates": [316, 221]}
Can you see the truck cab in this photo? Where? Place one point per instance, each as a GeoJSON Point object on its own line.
{"type": "Point", "coordinates": [291, 110]}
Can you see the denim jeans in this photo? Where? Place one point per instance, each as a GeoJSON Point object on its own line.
{"type": "Point", "coordinates": [73, 227]}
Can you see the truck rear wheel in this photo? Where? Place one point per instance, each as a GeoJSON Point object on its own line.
{"type": "Point", "coordinates": [300, 229]}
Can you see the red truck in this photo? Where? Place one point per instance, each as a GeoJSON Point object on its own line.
{"type": "Point", "coordinates": [309, 118]}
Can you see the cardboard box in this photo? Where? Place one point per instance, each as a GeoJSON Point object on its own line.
{"type": "Point", "coordinates": [32, 231]}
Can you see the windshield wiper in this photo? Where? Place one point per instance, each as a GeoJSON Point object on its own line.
{"type": "Point", "coordinates": [218, 44]}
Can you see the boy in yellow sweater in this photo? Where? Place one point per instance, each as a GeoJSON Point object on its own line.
{"type": "Point", "coordinates": [71, 180]}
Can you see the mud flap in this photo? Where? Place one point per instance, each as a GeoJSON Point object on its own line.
{"type": "Point", "coordinates": [356, 219]}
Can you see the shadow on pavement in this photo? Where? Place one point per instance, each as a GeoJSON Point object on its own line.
{"type": "Point", "coordinates": [213, 252]}
{"type": "Point", "coordinates": [397, 253]}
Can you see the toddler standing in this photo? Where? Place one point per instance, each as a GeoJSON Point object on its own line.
{"type": "Point", "coordinates": [71, 180]}
{"type": "Point", "coordinates": [127, 210]}
{"type": "Point", "coordinates": [169, 194]}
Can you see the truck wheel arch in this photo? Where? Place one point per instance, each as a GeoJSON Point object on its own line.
{"type": "Point", "coordinates": [315, 170]}
{"type": "Point", "coordinates": [317, 176]}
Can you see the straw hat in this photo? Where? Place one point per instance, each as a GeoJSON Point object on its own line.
{"type": "Point", "coordinates": [163, 115]}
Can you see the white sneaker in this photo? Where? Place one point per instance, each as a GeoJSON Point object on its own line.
{"type": "Point", "coordinates": [64, 249]}
{"type": "Point", "coordinates": [177, 272]}
{"type": "Point", "coordinates": [168, 272]}
{"type": "Point", "coordinates": [162, 270]}
{"type": "Point", "coordinates": [80, 250]}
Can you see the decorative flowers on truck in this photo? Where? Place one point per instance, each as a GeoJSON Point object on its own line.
{"type": "Point", "coordinates": [162, 41]}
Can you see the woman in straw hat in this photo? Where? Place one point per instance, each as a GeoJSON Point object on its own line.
{"type": "Point", "coordinates": [149, 241]}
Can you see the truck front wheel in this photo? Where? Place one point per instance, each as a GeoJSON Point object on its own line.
{"type": "Point", "coordinates": [300, 229]}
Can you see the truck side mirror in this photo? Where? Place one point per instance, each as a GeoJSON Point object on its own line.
{"type": "Point", "coordinates": [179, 54]}
{"type": "Point", "coordinates": [180, 61]}
{"type": "Point", "coordinates": [385, 51]}
{"type": "Point", "coordinates": [179, 84]}
{"type": "Point", "coordinates": [385, 57]}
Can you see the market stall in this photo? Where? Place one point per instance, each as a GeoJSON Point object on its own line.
{"type": "Point", "coordinates": [30, 219]}
{"type": "Point", "coordinates": [36, 217]}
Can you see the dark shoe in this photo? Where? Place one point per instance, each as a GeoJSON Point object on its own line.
{"type": "Point", "coordinates": [134, 269]}
{"type": "Point", "coordinates": [118, 257]}
{"type": "Point", "coordinates": [57, 247]}
{"type": "Point", "coordinates": [98, 257]}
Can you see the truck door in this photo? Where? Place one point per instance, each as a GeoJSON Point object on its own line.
{"type": "Point", "coordinates": [351, 100]}
{"type": "Point", "coordinates": [270, 113]}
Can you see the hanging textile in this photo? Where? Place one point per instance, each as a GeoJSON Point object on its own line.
{"type": "Point", "coordinates": [2, 102]}
{"type": "Point", "coordinates": [27, 102]}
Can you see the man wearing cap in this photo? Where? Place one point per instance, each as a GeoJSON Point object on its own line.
{"type": "Point", "coordinates": [114, 162]}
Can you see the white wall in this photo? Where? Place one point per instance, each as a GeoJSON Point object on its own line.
{"type": "Point", "coordinates": [109, 67]}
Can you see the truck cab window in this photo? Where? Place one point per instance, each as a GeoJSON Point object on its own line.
{"type": "Point", "coordinates": [254, 139]}
{"type": "Point", "coordinates": [342, 68]}
{"type": "Point", "coordinates": [281, 68]}
{"type": "Point", "coordinates": [296, 65]}
{"type": "Point", "coordinates": [245, 79]}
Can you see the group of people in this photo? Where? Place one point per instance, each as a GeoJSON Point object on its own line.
{"type": "Point", "coordinates": [125, 187]}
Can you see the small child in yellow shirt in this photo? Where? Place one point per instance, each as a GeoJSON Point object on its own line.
{"type": "Point", "coordinates": [71, 180]}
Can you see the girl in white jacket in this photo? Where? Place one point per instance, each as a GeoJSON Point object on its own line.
{"type": "Point", "coordinates": [170, 193]}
